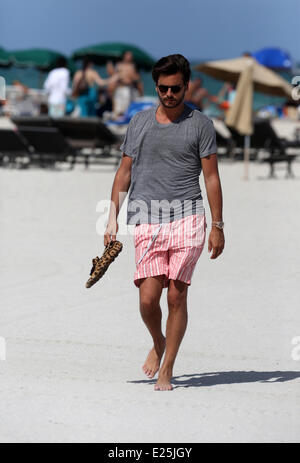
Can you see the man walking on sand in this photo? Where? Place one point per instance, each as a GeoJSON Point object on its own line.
{"type": "Point", "coordinates": [164, 151]}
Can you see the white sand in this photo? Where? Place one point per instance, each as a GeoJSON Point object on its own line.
{"type": "Point", "coordinates": [74, 356]}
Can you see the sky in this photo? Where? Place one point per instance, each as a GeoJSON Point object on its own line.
{"type": "Point", "coordinates": [198, 29]}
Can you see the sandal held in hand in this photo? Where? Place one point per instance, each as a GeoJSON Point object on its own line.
{"type": "Point", "coordinates": [101, 264]}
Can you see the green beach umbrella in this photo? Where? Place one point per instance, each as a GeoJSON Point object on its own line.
{"type": "Point", "coordinates": [103, 52]}
{"type": "Point", "coordinates": [39, 58]}
{"type": "Point", "coordinates": [43, 60]}
{"type": "Point", "coordinates": [71, 66]}
{"type": "Point", "coordinates": [4, 58]}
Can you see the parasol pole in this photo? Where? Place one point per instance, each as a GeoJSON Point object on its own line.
{"type": "Point", "coordinates": [246, 156]}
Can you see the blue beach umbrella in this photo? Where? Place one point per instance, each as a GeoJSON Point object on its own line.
{"type": "Point", "coordinates": [274, 58]}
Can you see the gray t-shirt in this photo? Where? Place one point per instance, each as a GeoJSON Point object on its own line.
{"type": "Point", "coordinates": [166, 165]}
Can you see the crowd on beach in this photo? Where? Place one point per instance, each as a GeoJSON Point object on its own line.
{"type": "Point", "coordinates": [91, 94]}
{"type": "Point", "coordinates": [88, 94]}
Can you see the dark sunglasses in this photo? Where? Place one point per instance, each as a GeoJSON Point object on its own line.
{"type": "Point", "coordinates": [174, 88]}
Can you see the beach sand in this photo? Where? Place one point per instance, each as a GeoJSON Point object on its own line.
{"type": "Point", "coordinates": [73, 371]}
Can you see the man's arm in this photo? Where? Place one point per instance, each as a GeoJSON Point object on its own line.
{"type": "Point", "coordinates": [98, 79]}
{"type": "Point", "coordinates": [47, 84]}
{"type": "Point", "coordinates": [110, 69]}
{"type": "Point", "coordinates": [121, 184]}
{"type": "Point", "coordinates": [104, 82]}
{"type": "Point", "coordinates": [216, 239]}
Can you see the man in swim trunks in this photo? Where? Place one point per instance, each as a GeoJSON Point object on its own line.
{"type": "Point", "coordinates": [164, 151]}
{"type": "Point", "coordinates": [128, 86]}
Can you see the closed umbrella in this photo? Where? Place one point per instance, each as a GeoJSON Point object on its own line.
{"type": "Point", "coordinates": [239, 114]}
{"type": "Point", "coordinates": [103, 52]}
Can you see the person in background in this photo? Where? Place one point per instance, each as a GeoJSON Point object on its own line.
{"type": "Point", "coordinates": [291, 109]}
{"type": "Point", "coordinates": [226, 96]}
{"type": "Point", "coordinates": [128, 86]}
{"type": "Point", "coordinates": [196, 94]}
{"type": "Point", "coordinates": [23, 88]}
{"type": "Point", "coordinates": [86, 85]}
{"type": "Point", "coordinates": [247, 54]}
{"type": "Point", "coordinates": [104, 104]}
{"type": "Point", "coordinates": [2, 105]}
{"type": "Point", "coordinates": [44, 110]}
{"type": "Point", "coordinates": [57, 88]}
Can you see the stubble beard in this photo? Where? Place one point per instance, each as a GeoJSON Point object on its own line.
{"type": "Point", "coordinates": [171, 103]}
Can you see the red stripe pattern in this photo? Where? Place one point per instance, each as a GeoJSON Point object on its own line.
{"type": "Point", "coordinates": [173, 253]}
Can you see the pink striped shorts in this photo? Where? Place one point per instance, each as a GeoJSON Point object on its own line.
{"type": "Point", "coordinates": [170, 249]}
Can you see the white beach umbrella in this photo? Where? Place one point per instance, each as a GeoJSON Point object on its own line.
{"type": "Point", "coordinates": [264, 80]}
{"type": "Point", "coordinates": [249, 76]}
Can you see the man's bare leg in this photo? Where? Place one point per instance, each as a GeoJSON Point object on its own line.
{"type": "Point", "coordinates": [150, 293]}
{"type": "Point", "coordinates": [176, 327]}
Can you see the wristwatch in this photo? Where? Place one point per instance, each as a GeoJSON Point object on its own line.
{"type": "Point", "coordinates": [219, 225]}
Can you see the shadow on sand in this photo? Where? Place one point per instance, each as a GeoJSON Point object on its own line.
{"type": "Point", "coordinates": [228, 377]}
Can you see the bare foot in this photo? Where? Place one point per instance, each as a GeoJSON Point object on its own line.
{"type": "Point", "coordinates": [164, 380]}
{"type": "Point", "coordinates": [151, 366]}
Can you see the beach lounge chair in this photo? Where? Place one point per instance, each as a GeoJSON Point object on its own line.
{"type": "Point", "coordinates": [83, 133]}
{"type": "Point", "coordinates": [34, 121]}
{"type": "Point", "coordinates": [87, 132]}
{"type": "Point", "coordinates": [80, 134]}
{"type": "Point", "coordinates": [265, 138]}
{"type": "Point", "coordinates": [224, 143]}
{"type": "Point", "coordinates": [13, 147]}
{"type": "Point", "coordinates": [237, 145]}
{"type": "Point", "coordinates": [49, 145]}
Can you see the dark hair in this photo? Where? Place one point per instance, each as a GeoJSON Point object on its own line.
{"type": "Point", "coordinates": [125, 52]}
{"type": "Point", "coordinates": [86, 62]}
{"type": "Point", "coordinates": [172, 64]}
{"type": "Point", "coordinates": [61, 62]}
